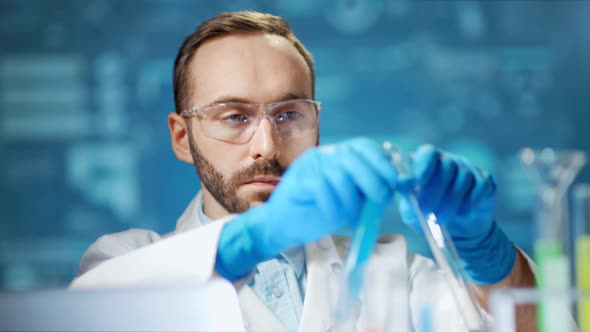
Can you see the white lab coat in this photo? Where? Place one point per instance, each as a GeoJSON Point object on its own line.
{"type": "Point", "coordinates": [140, 257]}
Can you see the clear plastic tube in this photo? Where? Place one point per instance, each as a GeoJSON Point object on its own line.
{"type": "Point", "coordinates": [361, 249]}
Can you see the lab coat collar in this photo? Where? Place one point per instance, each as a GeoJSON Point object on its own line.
{"type": "Point", "coordinates": [256, 315]}
{"type": "Point", "coordinates": [323, 264]}
{"type": "Point", "coordinates": [190, 217]}
{"type": "Point", "coordinates": [193, 216]}
{"type": "Point", "coordinates": [296, 258]}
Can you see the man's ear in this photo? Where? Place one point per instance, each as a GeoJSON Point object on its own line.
{"type": "Point", "coordinates": [179, 137]}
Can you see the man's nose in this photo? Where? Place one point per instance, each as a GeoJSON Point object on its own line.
{"type": "Point", "coordinates": [265, 141]}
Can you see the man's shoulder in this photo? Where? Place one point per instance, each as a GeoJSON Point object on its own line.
{"type": "Point", "coordinates": [132, 238]}
{"type": "Point", "coordinates": [115, 244]}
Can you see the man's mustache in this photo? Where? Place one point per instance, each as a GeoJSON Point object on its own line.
{"type": "Point", "coordinates": [257, 169]}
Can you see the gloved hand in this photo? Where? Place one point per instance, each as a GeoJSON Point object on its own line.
{"type": "Point", "coordinates": [323, 191]}
{"type": "Point", "coordinates": [463, 199]}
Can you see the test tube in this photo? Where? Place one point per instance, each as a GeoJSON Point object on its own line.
{"type": "Point", "coordinates": [361, 249]}
{"type": "Point", "coordinates": [581, 227]}
{"type": "Point", "coordinates": [442, 247]}
{"type": "Point", "coordinates": [505, 301]}
{"type": "Point", "coordinates": [554, 171]}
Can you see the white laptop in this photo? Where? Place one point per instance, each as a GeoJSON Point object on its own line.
{"type": "Point", "coordinates": [212, 307]}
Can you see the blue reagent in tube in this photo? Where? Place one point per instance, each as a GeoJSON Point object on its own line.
{"type": "Point", "coordinates": [361, 248]}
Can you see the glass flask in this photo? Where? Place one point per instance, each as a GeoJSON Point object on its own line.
{"type": "Point", "coordinates": [553, 172]}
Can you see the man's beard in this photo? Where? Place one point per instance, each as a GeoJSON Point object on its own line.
{"type": "Point", "coordinates": [225, 191]}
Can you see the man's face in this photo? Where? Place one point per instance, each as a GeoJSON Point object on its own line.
{"type": "Point", "coordinates": [253, 68]}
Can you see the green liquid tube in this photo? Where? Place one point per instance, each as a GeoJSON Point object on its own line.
{"type": "Point", "coordinates": [583, 279]}
{"type": "Point", "coordinates": [554, 171]}
{"type": "Point", "coordinates": [554, 275]}
{"type": "Point", "coordinates": [582, 235]}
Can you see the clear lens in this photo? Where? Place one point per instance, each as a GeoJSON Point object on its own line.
{"type": "Point", "coordinates": [231, 122]}
{"type": "Point", "coordinates": [295, 118]}
{"type": "Point", "coordinates": [235, 122]}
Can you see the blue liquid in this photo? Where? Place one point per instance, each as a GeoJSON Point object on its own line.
{"type": "Point", "coordinates": [361, 249]}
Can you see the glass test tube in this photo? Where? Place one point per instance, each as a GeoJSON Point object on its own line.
{"type": "Point", "coordinates": [505, 301]}
{"type": "Point", "coordinates": [553, 171]}
{"type": "Point", "coordinates": [443, 249]}
{"type": "Point", "coordinates": [581, 225]}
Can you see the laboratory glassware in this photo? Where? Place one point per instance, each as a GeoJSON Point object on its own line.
{"type": "Point", "coordinates": [553, 171]}
{"type": "Point", "coordinates": [505, 301]}
{"type": "Point", "coordinates": [581, 226]}
{"type": "Point", "coordinates": [439, 241]}
{"type": "Point", "coordinates": [441, 245]}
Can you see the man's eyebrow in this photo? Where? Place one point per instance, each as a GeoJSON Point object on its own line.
{"type": "Point", "coordinates": [234, 99]}
{"type": "Point", "coordinates": [230, 99]}
{"type": "Point", "coordinates": [290, 96]}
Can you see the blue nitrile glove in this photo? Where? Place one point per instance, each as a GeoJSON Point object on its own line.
{"type": "Point", "coordinates": [323, 191]}
{"type": "Point", "coordinates": [463, 199]}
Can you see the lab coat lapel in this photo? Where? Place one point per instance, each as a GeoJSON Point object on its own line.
{"type": "Point", "coordinates": [322, 262]}
{"type": "Point", "coordinates": [257, 317]}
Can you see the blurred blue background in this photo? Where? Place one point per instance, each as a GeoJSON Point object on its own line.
{"type": "Point", "coordinates": [85, 88]}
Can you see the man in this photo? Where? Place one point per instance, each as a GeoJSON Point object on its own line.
{"type": "Point", "coordinates": [246, 118]}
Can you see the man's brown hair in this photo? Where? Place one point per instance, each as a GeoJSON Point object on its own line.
{"type": "Point", "coordinates": [226, 24]}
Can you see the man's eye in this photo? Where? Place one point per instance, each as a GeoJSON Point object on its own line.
{"type": "Point", "coordinates": [288, 116]}
{"type": "Point", "coordinates": [235, 118]}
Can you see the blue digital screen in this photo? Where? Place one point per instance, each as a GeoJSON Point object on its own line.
{"type": "Point", "coordinates": [86, 86]}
